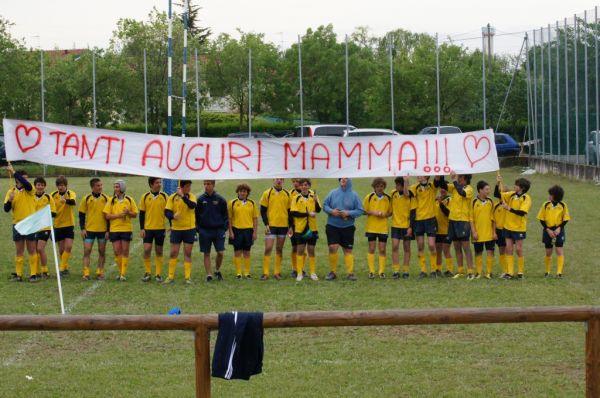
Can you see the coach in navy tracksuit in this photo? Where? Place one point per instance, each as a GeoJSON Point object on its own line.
{"type": "Point", "coordinates": [211, 223]}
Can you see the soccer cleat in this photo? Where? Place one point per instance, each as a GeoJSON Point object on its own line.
{"type": "Point", "coordinates": [470, 277]}
{"type": "Point", "coordinates": [351, 277]}
{"type": "Point", "coordinates": [64, 273]}
{"type": "Point", "coordinates": [147, 277]}
{"type": "Point", "coordinates": [209, 278]}
{"type": "Point", "coordinates": [314, 277]}
{"type": "Point", "coordinates": [330, 276]}
{"type": "Point", "coordinates": [507, 277]}
{"type": "Point", "coordinates": [448, 274]}
{"type": "Point", "coordinates": [559, 276]}
{"type": "Point", "coordinates": [396, 275]}
{"type": "Point", "coordinates": [433, 274]}
{"type": "Point", "coordinates": [189, 282]}
{"type": "Point", "coordinates": [477, 275]}
{"type": "Point", "coordinates": [264, 277]}
{"type": "Point", "coordinates": [294, 274]}
{"type": "Point", "coordinates": [34, 278]}
{"type": "Point", "coordinates": [248, 276]}
{"type": "Point", "coordinates": [158, 278]}
{"type": "Point", "coordinates": [100, 277]}
{"type": "Point", "coordinates": [547, 275]}
{"type": "Point", "coordinates": [219, 275]}
{"type": "Point", "coordinates": [458, 275]}
{"type": "Point", "coordinates": [488, 276]}
{"type": "Point", "coordinates": [45, 275]}
{"type": "Point", "coordinates": [168, 281]}
{"type": "Point", "coordinates": [520, 276]}
{"type": "Point", "coordinates": [121, 278]}
{"type": "Point", "coordinates": [277, 277]}
{"type": "Point", "coordinates": [299, 277]}
{"type": "Point", "coordinates": [371, 275]}
{"type": "Point", "coordinates": [85, 278]}
{"type": "Point", "coordinates": [238, 276]}
{"type": "Point", "coordinates": [382, 276]}
{"type": "Point", "coordinates": [438, 272]}
{"type": "Point", "coordinates": [422, 275]}
{"type": "Point", "coordinates": [405, 275]}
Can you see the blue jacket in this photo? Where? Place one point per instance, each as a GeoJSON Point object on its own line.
{"type": "Point", "coordinates": [343, 199]}
{"type": "Point", "coordinates": [211, 211]}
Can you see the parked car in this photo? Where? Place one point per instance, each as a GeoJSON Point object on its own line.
{"type": "Point", "coordinates": [282, 133]}
{"type": "Point", "coordinates": [322, 130]}
{"type": "Point", "coordinates": [506, 145]}
{"type": "Point", "coordinates": [3, 161]}
{"type": "Point", "coordinates": [256, 134]}
{"type": "Point", "coordinates": [440, 130]}
{"type": "Point", "coordinates": [369, 132]}
{"type": "Point", "coordinates": [593, 148]}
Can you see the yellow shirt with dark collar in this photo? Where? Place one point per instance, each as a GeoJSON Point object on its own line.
{"type": "Point", "coordinates": [303, 204]}
{"type": "Point", "coordinates": [483, 219]}
{"type": "Point", "coordinates": [499, 215]}
{"type": "Point", "coordinates": [425, 200]}
{"type": "Point", "coordinates": [187, 216]}
{"type": "Point", "coordinates": [117, 206]}
{"type": "Point", "coordinates": [383, 203]}
{"type": "Point", "coordinates": [42, 201]}
{"type": "Point", "coordinates": [64, 212]}
{"type": "Point", "coordinates": [440, 217]}
{"type": "Point", "coordinates": [153, 205]}
{"type": "Point", "coordinates": [23, 204]}
{"type": "Point", "coordinates": [553, 214]}
{"type": "Point", "coordinates": [242, 213]}
{"type": "Point", "coordinates": [514, 222]}
{"type": "Point", "coordinates": [93, 208]}
{"type": "Point", "coordinates": [401, 207]}
{"type": "Point", "coordinates": [460, 206]}
{"type": "Point", "coordinates": [278, 204]}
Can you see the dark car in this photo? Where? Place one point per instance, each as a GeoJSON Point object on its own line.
{"type": "Point", "coordinates": [506, 145]}
{"type": "Point", "coordinates": [3, 161]}
{"type": "Point", "coordinates": [255, 134]}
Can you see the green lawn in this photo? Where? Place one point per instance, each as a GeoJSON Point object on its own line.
{"type": "Point", "coordinates": [463, 360]}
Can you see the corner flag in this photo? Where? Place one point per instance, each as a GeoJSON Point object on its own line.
{"type": "Point", "coordinates": [39, 220]}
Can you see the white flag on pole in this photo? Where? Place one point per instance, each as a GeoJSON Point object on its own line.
{"type": "Point", "coordinates": [39, 220]}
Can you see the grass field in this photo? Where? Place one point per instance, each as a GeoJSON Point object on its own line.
{"type": "Point", "coordinates": [454, 361]}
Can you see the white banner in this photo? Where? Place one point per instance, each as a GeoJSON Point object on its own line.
{"type": "Point", "coordinates": [244, 158]}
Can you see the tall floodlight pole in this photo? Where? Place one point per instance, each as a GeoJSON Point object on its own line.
{"type": "Point", "coordinates": [550, 90]}
{"type": "Point", "coordinates": [249, 92]}
{"type": "Point", "coordinates": [347, 90]}
{"type": "Point", "coordinates": [94, 85]}
{"type": "Point", "coordinates": [567, 135]}
{"type": "Point", "coordinates": [585, 84]}
{"type": "Point", "coordinates": [535, 103]}
{"type": "Point", "coordinates": [596, 85]}
{"type": "Point", "coordinates": [301, 89]}
{"type": "Point", "coordinates": [197, 95]}
{"type": "Point", "coordinates": [184, 75]}
{"type": "Point", "coordinates": [437, 81]}
{"type": "Point", "coordinates": [529, 99]}
{"type": "Point", "coordinates": [575, 43]}
{"type": "Point", "coordinates": [483, 73]}
{"type": "Point", "coordinates": [42, 84]}
{"type": "Point", "coordinates": [558, 143]}
{"type": "Point", "coordinates": [391, 54]}
{"type": "Point", "coordinates": [145, 94]}
{"type": "Point", "coordinates": [542, 95]}
{"type": "Point", "coordinates": [170, 71]}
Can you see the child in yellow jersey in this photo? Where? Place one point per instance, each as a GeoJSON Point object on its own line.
{"type": "Point", "coordinates": [119, 211]}
{"type": "Point", "coordinates": [442, 242]}
{"type": "Point", "coordinates": [152, 227]}
{"type": "Point", "coordinates": [42, 199]}
{"type": "Point", "coordinates": [517, 205]}
{"type": "Point", "coordinates": [64, 222]}
{"type": "Point", "coordinates": [93, 225]}
{"type": "Point", "coordinates": [403, 218]}
{"type": "Point", "coordinates": [459, 221]}
{"type": "Point", "coordinates": [304, 210]}
{"type": "Point", "coordinates": [499, 215]}
{"type": "Point", "coordinates": [483, 230]}
{"type": "Point", "coordinates": [378, 208]}
{"type": "Point", "coordinates": [20, 200]}
{"type": "Point", "coordinates": [180, 210]}
{"type": "Point", "coordinates": [553, 216]}
{"type": "Point", "coordinates": [243, 223]}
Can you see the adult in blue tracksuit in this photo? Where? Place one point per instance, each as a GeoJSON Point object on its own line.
{"type": "Point", "coordinates": [211, 224]}
{"type": "Point", "coordinates": [342, 206]}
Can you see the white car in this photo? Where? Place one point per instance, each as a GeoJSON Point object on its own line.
{"type": "Point", "coordinates": [368, 132]}
{"type": "Point", "coordinates": [440, 130]}
{"type": "Point", "coordinates": [322, 130]}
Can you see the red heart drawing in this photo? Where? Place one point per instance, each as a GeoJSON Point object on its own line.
{"type": "Point", "coordinates": [27, 131]}
{"type": "Point", "coordinates": [476, 150]}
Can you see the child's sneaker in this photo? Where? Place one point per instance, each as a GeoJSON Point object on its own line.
{"type": "Point", "coordinates": [168, 281]}
{"type": "Point", "coordinates": [85, 278]}
{"type": "Point", "coordinates": [314, 277]}
{"type": "Point", "coordinates": [158, 278]}
{"type": "Point", "coordinates": [146, 277]}
{"type": "Point", "coordinates": [396, 275]}
{"type": "Point", "coordinates": [382, 276]}
{"type": "Point", "coordinates": [299, 277]}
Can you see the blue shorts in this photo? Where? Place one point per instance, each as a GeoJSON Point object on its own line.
{"type": "Point", "coordinates": [17, 236]}
{"type": "Point", "coordinates": [514, 235]}
{"type": "Point", "coordinates": [559, 241]}
{"type": "Point", "coordinates": [185, 236]}
{"type": "Point", "coordinates": [91, 236]}
{"type": "Point", "coordinates": [277, 232]}
{"type": "Point", "coordinates": [207, 237]}
{"type": "Point", "coordinates": [478, 246]}
{"type": "Point", "coordinates": [459, 231]}
{"type": "Point", "coordinates": [312, 241]}
{"type": "Point", "coordinates": [371, 237]}
{"type": "Point", "coordinates": [42, 235]}
{"type": "Point", "coordinates": [115, 236]}
{"type": "Point", "coordinates": [400, 234]}
{"type": "Point", "coordinates": [428, 227]}
{"type": "Point", "coordinates": [441, 238]}
{"type": "Point", "coordinates": [154, 235]}
{"type": "Point", "coordinates": [64, 233]}
{"type": "Point", "coordinates": [340, 236]}
{"type": "Point", "coordinates": [242, 239]}
{"type": "Point", "coordinates": [501, 242]}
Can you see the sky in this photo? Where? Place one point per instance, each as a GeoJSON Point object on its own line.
{"type": "Point", "coordinates": [67, 24]}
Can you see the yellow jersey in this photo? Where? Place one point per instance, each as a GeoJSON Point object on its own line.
{"type": "Point", "coordinates": [23, 203]}
{"type": "Point", "coordinates": [64, 211]}
{"type": "Point", "coordinates": [483, 219]}
{"type": "Point", "coordinates": [93, 208]}
{"type": "Point", "coordinates": [499, 215]}
{"type": "Point", "coordinates": [153, 205]}
{"type": "Point", "coordinates": [117, 206]}
{"type": "Point", "coordinates": [277, 204]}
{"type": "Point", "coordinates": [42, 201]}
{"type": "Point", "coordinates": [187, 216]}
{"type": "Point", "coordinates": [440, 217]}
{"type": "Point", "coordinates": [425, 200]}
{"type": "Point", "coordinates": [401, 208]}
{"type": "Point", "coordinates": [383, 203]}
{"type": "Point", "coordinates": [305, 205]}
{"type": "Point", "coordinates": [512, 221]}
{"type": "Point", "coordinates": [242, 213]}
{"type": "Point", "coordinates": [554, 214]}
{"type": "Point", "coordinates": [460, 206]}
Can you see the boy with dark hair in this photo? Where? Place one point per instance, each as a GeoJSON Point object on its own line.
{"type": "Point", "coordinates": [459, 221]}
{"type": "Point", "coordinates": [483, 230]}
{"type": "Point", "coordinates": [378, 207]}
{"type": "Point", "coordinates": [517, 205]}
{"type": "Point", "coordinates": [499, 216]}
{"type": "Point", "coordinates": [403, 217]}
{"type": "Point", "coordinates": [152, 227]}
{"type": "Point", "coordinates": [243, 225]}
{"type": "Point", "coordinates": [64, 222]}
{"type": "Point", "coordinates": [304, 211]}
{"type": "Point", "coordinates": [42, 199]}
{"type": "Point", "coordinates": [275, 205]}
{"type": "Point", "coordinates": [553, 216]}
{"type": "Point", "coordinates": [211, 223]}
{"type": "Point", "coordinates": [94, 226]}
{"type": "Point", "coordinates": [442, 242]}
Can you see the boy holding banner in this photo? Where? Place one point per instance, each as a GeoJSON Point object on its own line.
{"type": "Point", "coordinates": [403, 218]}
{"type": "Point", "coordinates": [459, 221]}
{"type": "Point", "coordinates": [42, 199]}
{"type": "Point", "coordinates": [94, 226]}
{"type": "Point", "coordinates": [304, 209]}
{"type": "Point", "coordinates": [20, 200]}
{"type": "Point", "coordinates": [152, 227]}
{"type": "Point", "coordinates": [274, 210]}
{"type": "Point", "coordinates": [378, 207]}
{"type": "Point", "coordinates": [243, 224]}
{"type": "Point", "coordinates": [64, 222]}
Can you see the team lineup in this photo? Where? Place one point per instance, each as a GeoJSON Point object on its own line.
{"type": "Point", "coordinates": [438, 213]}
